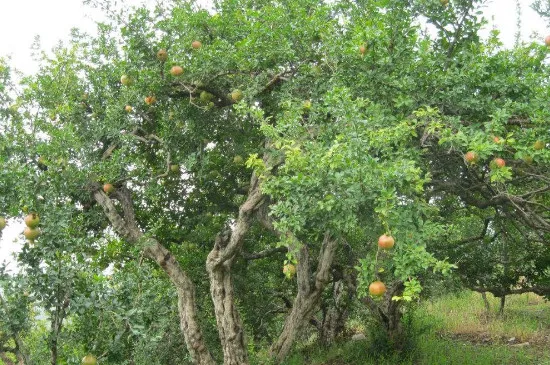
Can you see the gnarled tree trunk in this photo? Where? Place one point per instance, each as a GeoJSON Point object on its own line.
{"type": "Point", "coordinates": [218, 264]}
{"type": "Point", "coordinates": [336, 310]}
{"type": "Point", "coordinates": [308, 297]}
{"type": "Point", "coordinates": [127, 227]}
{"type": "Point", "coordinates": [388, 313]}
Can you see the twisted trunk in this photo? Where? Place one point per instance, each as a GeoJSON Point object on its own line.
{"type": "Point", "coordinates": [219, 262]}
{"type": "Point", "coordinates": [333, 316]}
{"type": "Point", "coordinates": [308, 296]}
{"type": "Point", "coordinates": [388, 313]}
{"type": "Point", "coordinates": [127, 227]}
{"type": "Point", "coordinates": [336, 311]}
{"type": "Point", "coordinates": [228, 321]}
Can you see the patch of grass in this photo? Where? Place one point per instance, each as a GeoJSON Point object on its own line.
{"type": "Point", "coordinates": [431, 351]}
{"type": "Point", "coordinates": [526, 317]}
{"type": "Point", "coordinates": [354, 352]}
{"type": "Point", "coordinates": [434, 350]}
{"type": "Point", "coordinates": [454, 329]}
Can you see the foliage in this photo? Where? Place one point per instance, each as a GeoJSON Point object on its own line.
{"type": "Point", "coordinates": [356, 123]}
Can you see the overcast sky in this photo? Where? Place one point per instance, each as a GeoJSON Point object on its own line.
{"type": "Point", "coordinates": [52, 20]}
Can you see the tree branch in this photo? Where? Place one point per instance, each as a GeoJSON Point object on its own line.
{"type": "Point", "coordinates": [262, 254]}
{"type": "Point", "coordinates": [228, 242]}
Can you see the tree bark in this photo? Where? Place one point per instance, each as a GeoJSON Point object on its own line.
{"type": "Point", "coordinates": [336, 311]}
{"type": "Point", "coordinates": [126, 226]}
{"type": "Point", "coordinates": [486, 302]}
{"type": "Point", "coordinates": [219, 262]}
{"type": "Point", "coordinates": [334, 316]}
{"type": "Point", "coordinates": [57, 318]}
{"type": "Point", "coordinates": [53, 351]}
{"type": "Point", "coordinates": [502, 303]}
{"type": "Point", "coordinates": [388, 313]}
{"type": "Point", "coordinates": [308, 296]}
{"type": "Point", "coordinates": [54, 333]}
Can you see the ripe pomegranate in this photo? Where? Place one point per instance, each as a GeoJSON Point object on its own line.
{"type": "Point", "coordinates": [176, 70]}
{"type": "Point", "coordinates": [385, 242]}
{"type": "Point", "coordinates": [471, 157]}
{"type": "Point", "coordinates": [499, 162]}
{"type": "Point", "coordinates": [108, 188]}
{"type": "Point", "coordinates": [150, 100]}
{"type": "Point", "coordinates": [377, 288]}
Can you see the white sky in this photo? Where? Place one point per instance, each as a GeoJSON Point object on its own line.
{"type": "Point", "coordinates": [52, 20]}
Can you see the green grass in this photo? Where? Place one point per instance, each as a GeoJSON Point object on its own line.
{"type": "Point", "coordinates": [526, 317]}
{"type": "Point", "coordinates": [457, 330]}
{"type": "Point", "coordinates": [431, 351]}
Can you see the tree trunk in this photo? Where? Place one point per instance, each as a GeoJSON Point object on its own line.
{"type": "Point", "coordinates": [333, 317]}
{"type": "Point", "coordinates": [57, 318]}
{"type": "Point", "coordinates": [395, 327]}
{"type": "Point", "coordinates": [219, 262]}
{"type": "Point", "coordinates": [336, 311]}
{"type": "Point", "coordinates": [53, 351]}
{"type": "Point", "coordinates": [186, 301]}
{"type": "Point", "coordinates": [127, 227]}
{"type": "Point", "coordinates": [502, 303]}
{"type": "Point", "coordinates": [54, 333]}
{"type": "Point", "coordinates": [228, 321]}
{"type": "Point", "coordinates": [308, 296]}
{"type": "Point", "coordinates": [388, 313]}
{"type": "Point", "coordinates": [486, 302]}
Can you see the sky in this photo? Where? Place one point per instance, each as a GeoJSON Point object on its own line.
{"type": "Point", "coordinates": [22, 20]}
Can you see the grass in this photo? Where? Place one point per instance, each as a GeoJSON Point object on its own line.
{"type": "Point", "coordinates": [526, 318]}
{"type": "Point", "coordinates": [457, 330]}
